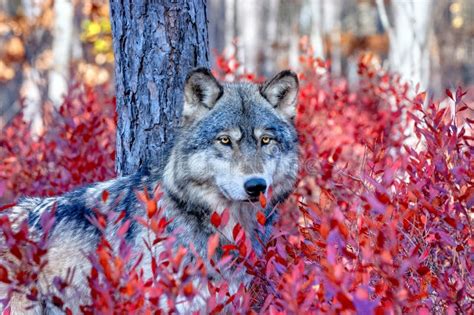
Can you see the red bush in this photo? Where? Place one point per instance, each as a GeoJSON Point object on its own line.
{"type": "Point", "coordinates": [77, 147]}
{"type": "Point", "coordinates": [382, 226]}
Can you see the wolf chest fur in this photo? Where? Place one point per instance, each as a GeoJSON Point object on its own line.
{"type": "Point", "coordinates": [235, 142]}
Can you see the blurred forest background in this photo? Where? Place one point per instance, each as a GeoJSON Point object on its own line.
{"type": "Point", "coordinates": [46, 45]}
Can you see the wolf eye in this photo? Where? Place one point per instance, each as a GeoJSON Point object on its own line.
{"type": "Point", "coordinates": [225, 140]}
{"type": "Point", "coordinates": [265, 140]}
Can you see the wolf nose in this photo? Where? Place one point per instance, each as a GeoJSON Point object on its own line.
{"type": "Point", "coordinates": [255, 186]}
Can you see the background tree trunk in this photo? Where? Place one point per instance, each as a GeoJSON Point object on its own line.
{"type": "Point", "coordinates": [408, 33]}
{"type": "Point", "coordinates": [155, 44]}
{"type": "Point", "coordinates": [62, 50]}
{"type": "Point", "coordinates": [31, 88]}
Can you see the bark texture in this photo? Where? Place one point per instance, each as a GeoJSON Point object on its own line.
{"type": "Point", "coordinates": [155, 43]}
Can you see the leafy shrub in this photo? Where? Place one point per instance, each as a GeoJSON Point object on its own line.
{"type": "Point", "coordinates": [380, 221]}
{"type": "Point", "coordinates": [77, 147]}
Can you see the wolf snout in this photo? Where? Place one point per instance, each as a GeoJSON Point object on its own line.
{"type": "Point", "coordinates": [255, 186]}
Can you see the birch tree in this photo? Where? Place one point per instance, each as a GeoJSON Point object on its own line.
{"type": "Point", "coordinates": [30, 87]}
{"type": "Point", "coordinates": [62, 49]}
{"type": "Point", "coordinates": [408, 34]}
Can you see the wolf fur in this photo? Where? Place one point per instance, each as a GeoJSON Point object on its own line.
{"type": "Point", "coordinates": [219, 149]}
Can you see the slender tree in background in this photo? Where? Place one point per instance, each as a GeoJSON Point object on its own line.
{"type": "Point", "coordinates": [62, 45]}
{"type": "Point", "coordinates": [30, 87]}
{"type": "Point", "coordinates": [155, 44]}
{"type": "Point", "coordinates": [408, 33]}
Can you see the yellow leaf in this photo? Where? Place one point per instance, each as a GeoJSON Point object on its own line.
{"type": "Point", "coordinates": [93, 29]}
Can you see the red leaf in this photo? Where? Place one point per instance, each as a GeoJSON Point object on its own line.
{"type": "Point", "coordinates": [228, 247]}
{"type": "Point", "coordinates": [216, 219]}
{"type": "Point", "coordinates": [450, 221]}
{"type": "Point", "coordinates": [179, 257]}
{"type": "Point", "coordinates": [225, 216]}
{"type": "Point", "coordinates": [153, 267]}
{"type": "Point", "coordinates": [151, 207]}
{"type": "Point", "coordinates": [33, 295]}
{"type": "Point", "coordinates": [16, 252]}
{"type": "Point", "coordinates": [58, 301]}
{"type": "Point", "coordinates": [261, 218]}
{"type": "Point", "coordinates": [123, 229]}
{"type": "Point", "coordinates": [217, 309]}
{"type": "Point", "coordinates": [270, 192]}
{"type": "Point", "coordinates": [459, 94]}
{"type": "Point", "coordinates": [345, 302]}
{"type": "Point", "coordinates": [188, 290]}
{"type": "Point", "coordinates": [449, 94]}
{"type": "Point", "coordinates": [420, 98]}
{"type": "Point", "coordinates": [423, 270]}
{"type": "Point", "coordinates": [263, 200]}
{"type": "Point", "coordinates": [105, 196]}
{"type": "Point", "coordinates": [143, 195]}
{"type": "Point", "coordinates": [102, 223]}
{"type": "Point", "coordinates": [243, 249]}
{"type": "Point", "coordinates": [120, 217]}
{"type": "Point", "coordinates": [4, 275]}
{"type": "Point", "coordinates": [236, 231]}
{"type": "Point", "coordinates": [212, 244]}
{"type": "Point", "coordinates": [462, 108]}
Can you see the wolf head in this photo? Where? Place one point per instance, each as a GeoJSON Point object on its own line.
{"type": "Point", "coordinates": [236, 140]}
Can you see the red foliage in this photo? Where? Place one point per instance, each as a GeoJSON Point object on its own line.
{"type": "Point", "coordinates": [380, 221]}
{"type": "Point", "coordinates": [24, 260]}
{"type": "Point", "coordinates": [77, 147]}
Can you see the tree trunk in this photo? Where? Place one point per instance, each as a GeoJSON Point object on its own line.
{"type": "Point", "coordinates": [410, 52]}
{"type": "Point", "coordinates": [31, 89]}
{"type": "Point", "coordinates": [155, 43]}
{"type": "Point", "coordinates": [62, 51]}
{"type": "Point", "coordinates": [332, 23]}
{"type": "Point", "coordinates": [249, 22]}
{"type": "Point", "coordinates": [317, 34]}
{"type": "Point", "coordinates": [409, 49]}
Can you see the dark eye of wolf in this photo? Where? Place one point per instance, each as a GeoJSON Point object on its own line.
{"type": "Point", "coordinates": [225, 140]}
{"type": "Point", "coordinates": [265, 140]}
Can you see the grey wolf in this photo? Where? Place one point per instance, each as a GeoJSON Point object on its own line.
{"type": "Point", "coordinates": [234, 142]}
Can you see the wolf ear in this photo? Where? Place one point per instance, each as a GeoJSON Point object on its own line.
{"type": "Point", "coordinates": [201, 92]}
{"type": "Point", "coordinates": [282, 92]}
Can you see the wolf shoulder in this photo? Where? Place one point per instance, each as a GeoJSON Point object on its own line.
{"type": "Point", "coordinates": [77, 206]}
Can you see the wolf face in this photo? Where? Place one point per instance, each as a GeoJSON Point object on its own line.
{"type": "Point", "coordinates": [237, 140]}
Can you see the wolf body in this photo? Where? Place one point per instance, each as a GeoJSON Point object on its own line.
{"type": "Point", "coordinates": [235, 141]}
